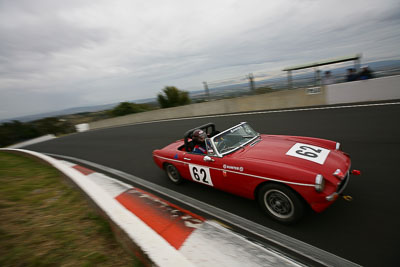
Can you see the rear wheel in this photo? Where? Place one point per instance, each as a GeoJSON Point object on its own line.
{"type": "Point", "coordinates": [173, 174]}
{"type": "Point", "coordinates": [281, 203]}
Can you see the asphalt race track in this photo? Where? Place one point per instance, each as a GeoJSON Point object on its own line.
{"type": "Point", "coordinates": [365, 231]}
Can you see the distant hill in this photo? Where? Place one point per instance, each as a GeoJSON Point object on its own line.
{"type": "Point", "coordinates": [383, 64]}
{"type": "Point", "coordinates": [61, 112]}
{"type": "Point", "coordinates": [73, 111]}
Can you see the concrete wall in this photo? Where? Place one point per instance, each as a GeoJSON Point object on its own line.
{"type": "Point", "coordinates": [282, 99]}
{"type": "Point", "coordinates": [359, 91]}
{"type": "Point", "coordinates": [82, 127]}
{"type": "Point", "coordinates": [33, 141]}
{"type": "Point", "coordinates": [385, 88]}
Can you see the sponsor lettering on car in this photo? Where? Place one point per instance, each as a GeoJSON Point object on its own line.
{"type": "Point", "coordinates": [235, 168]}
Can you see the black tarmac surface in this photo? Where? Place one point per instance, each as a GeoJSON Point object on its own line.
{"type": "Point", "coordinates": [365, 231]}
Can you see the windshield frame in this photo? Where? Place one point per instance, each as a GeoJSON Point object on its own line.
{"type": "Point", "coordinates": [212, 148]}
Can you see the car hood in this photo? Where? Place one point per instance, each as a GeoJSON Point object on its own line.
{"type": "Point", "coordinates": [276, 148]}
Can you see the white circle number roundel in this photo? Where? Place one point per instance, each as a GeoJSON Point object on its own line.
{"type": "Point", "coordinates": [200, 174]}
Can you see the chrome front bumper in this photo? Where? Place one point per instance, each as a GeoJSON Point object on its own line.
{"type": "Point", "coordinates": [342, 185]}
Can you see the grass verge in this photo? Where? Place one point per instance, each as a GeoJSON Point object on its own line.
{"type": "Point", "coordinates": [46, 222]}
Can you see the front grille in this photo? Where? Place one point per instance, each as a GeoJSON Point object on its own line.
{"type": "Point", "coordinates": [342, 185]}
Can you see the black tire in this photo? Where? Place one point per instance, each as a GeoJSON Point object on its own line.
{"type": "Point", "coordinates": [173, 174]}
{"type": "Point", "coordinates": [281, 203]}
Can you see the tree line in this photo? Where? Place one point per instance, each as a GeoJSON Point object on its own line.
{"type": "Point", "coordinates": [15, 131]}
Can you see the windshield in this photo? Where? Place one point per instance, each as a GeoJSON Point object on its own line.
{"type": "Point", "coordinates": [234, 138]}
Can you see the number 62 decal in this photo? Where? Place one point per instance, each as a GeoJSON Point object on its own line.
{"type": "Point", "coordinates": [309, 152]}
{"type": "Point", "coordinates": [200, 174]}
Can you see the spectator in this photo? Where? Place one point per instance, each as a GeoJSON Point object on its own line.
{"type": "Point", "coordinates": [351, 75]}
{"type": "Point", "coordinates": [366, 73]}
{"type": "Point", "coordinates": [327, 78]}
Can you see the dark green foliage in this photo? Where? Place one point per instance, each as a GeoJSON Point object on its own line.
{"type": "Point", "coordinates": [263, 90]}
{"type": "Point", "coordinates": [173, 97]}
{"type": "Point", "coordinates": [53, 125]}
{"type": "Point", "coordinates": [125, 108]}
{"type": "Point", "coordinates": [16, 131]}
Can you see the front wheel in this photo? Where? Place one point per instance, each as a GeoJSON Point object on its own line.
{"type": "Point", "coordinates": [173, 174]}
{"type": "Point", "coordinates": [281, 203]}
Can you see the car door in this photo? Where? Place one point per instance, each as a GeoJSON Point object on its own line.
{"type": "Point", "coordinates": [204, 169]}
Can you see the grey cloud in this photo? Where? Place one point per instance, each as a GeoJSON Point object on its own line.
{"type": "Point", "coordinates": [28, 47]}
{"type": "Point", "coordinates": [88, 52]}
{"type": "Point", "coordinates": [20, 101]}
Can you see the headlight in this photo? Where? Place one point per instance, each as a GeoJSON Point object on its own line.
{"type": "Point", "coordinates": [319, 183]}
{"type": "Point", "coordinates": [337, 146]}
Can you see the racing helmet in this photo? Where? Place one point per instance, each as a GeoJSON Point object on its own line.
{"type": "Point", "coordinates": [199, 135]}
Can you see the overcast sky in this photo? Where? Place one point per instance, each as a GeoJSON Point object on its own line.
{"type": "Point", "coordinates": [61, 54]}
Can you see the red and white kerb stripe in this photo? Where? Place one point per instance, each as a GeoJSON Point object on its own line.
{"type": "Point", "coordinates": [171, 222]}
{"type": "Point", "coordinates": [201, 242]}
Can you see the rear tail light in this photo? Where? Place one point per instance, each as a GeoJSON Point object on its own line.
{"type": "Point", "coordinates": [356, 172]}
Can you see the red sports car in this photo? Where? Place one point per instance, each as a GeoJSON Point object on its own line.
{"type": "Point", "coordinates": [284, 173]}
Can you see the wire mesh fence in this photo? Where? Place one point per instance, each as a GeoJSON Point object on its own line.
{"type": "Point", "coordinates": [263, 81]}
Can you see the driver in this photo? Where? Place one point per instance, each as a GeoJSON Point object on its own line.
{"type": "Point", "coordinates": [199, 137]}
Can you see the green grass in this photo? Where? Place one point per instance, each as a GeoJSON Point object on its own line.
{"type": "Point", "coordinates": [45, 222]}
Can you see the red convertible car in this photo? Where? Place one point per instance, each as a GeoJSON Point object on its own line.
{"type": "Point", "coordinates": [284, 173]}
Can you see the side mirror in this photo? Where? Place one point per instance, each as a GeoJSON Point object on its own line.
{"type": "Point", "coordinates": [208, 159]}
